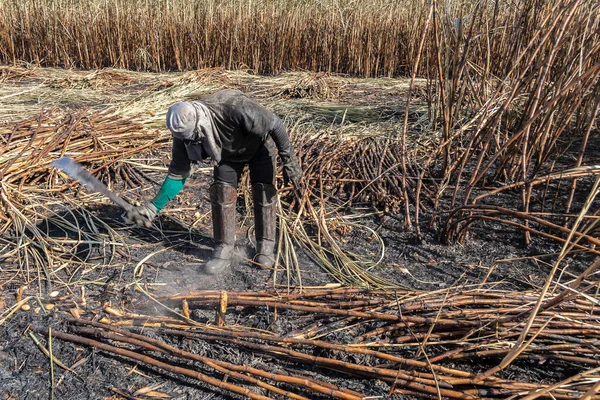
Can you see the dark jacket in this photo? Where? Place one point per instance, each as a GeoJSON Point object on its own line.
{"type": "Point", "coordinates": [242, 125]}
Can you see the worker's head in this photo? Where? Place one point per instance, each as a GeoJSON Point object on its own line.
{"type": "Point", "coordinates": [192, 123]}
{"type": "Point", "coordinates": [182, 120]}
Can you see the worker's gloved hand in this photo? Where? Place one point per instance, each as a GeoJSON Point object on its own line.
{"type": "Point", "coordinates": [291, 170]}
{"type": "Point", "coordinates": [141, 215]}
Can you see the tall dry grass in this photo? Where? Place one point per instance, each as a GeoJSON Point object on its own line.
{"type": "Point", "coordinates": [361, 37]}
{"type": "Point", "coordinates": [514, 92]}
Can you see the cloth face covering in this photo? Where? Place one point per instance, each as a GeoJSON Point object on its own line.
{"type": "Point", "coordinates": [206, 132]}
{"type": "Point", "coordinates": [195, 151]}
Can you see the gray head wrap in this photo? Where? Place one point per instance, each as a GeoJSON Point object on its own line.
{"type": "Point", "coordinates": [181, 120]}
{"type": "Point", "coordinates": [194, 121]}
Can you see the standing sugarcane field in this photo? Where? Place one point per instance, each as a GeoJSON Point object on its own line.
{"type": "Point", "coordinates": [303, 199]}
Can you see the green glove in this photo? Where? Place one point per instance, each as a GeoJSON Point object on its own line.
{"type": "Point", "coordinates": [169, 189]}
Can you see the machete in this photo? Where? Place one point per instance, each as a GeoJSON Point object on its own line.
{"type": "Point", "coordinates": [83, 176]}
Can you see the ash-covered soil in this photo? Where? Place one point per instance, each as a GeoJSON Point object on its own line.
{"type": "Point", "coordinates": [172, 264]}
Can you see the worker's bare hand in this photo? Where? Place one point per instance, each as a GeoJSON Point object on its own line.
{"type": "Point", "coordinates": [141, 215]}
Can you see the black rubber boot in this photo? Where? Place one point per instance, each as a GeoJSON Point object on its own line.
{"type": "Point", "coordinates": [265, 214]}
{"type": "Point", "coordinates": [222, 199]}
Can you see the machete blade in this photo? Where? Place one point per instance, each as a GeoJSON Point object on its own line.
{"type": "Point", "coordinates": [83, 176]}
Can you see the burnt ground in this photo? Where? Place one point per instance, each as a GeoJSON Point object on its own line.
{"type": "Point", "coordinates": [492, 253]}
{"type": "Point", "coordinates": [173, 254]}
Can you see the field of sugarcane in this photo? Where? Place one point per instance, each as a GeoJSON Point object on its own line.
{"type": "Point", "coordinates": [444, 243]}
